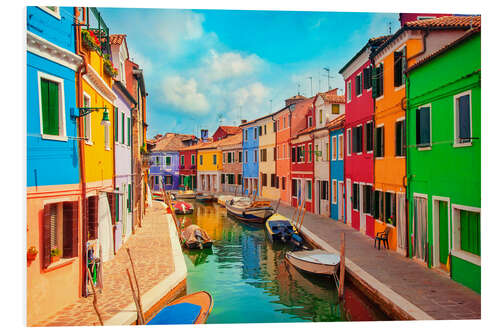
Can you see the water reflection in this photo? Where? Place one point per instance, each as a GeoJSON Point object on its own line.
{"type": "Point", "coordinates": [251, 282]}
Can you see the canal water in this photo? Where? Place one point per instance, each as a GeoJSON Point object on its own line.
{"type": "Point", "coordinates": [251, 282]}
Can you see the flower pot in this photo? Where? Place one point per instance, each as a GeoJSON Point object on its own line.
{"type": "Point", "coordinates": [54, 259]}
{"type": "Point", "coordinates": [31, 256]}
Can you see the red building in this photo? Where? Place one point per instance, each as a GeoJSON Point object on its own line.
{"type": "Point", "coordinates": [358, 160]}
{"type": "Point", "coordinates": [187, 166]}
{"type": "Point", "coordinates": [407, 17]}
{"type": "Point", "coordinates": [225, 131]}
{"type": "Point", "coordinates": [302, 155]}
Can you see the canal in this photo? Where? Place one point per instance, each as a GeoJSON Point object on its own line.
{"type": "Point", "coordinates": [251, 282]}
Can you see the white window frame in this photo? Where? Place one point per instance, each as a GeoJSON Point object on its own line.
{"type": "Point", "coordinates": [62, 108]}
{"type": "Point", "coordinates": [455, 234]}
{"type": "Point", "coordinates": [334, 188]}
{"type": "Point", "coordinates": [340, 147]}
{"type": "Point", "coordinates": [349, 91]}
{"type": "Point", "coordinates": [435, 227]}
{"type": "Point", "coordinates": [352, 196]}
{"type": "Point", "coordinates": [360, 83]}
{"type": "Point", "coordinates": [348, 142]}
{"type": "Point", "coordinates": [56, 13]}
{"type": "Point", "coordinates": [334, 146]}
{"type": "Point", "coordinates": [457, 144]}
{"type": "Point", "coordinates": [88, 136]}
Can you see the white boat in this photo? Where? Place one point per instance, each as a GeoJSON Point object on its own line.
{"type": "Point", "coordinates": [247, 210]}
{"type": "Point", "coordinates": [221, 199]}
{"type": "Point", "coordinates": [314, 261]}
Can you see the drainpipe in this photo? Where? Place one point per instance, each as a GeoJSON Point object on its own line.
{"type": "Point", "coordinates": [131, 203]}
{"type": "Point", "coordinates": [82, 70]}
{"type": "Point", "coordinates": [372, 61]}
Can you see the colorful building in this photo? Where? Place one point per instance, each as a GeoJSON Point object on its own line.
{"type": "Point", "coordinates": [209, 167]}
{"type": "Point", "coordinates": [444, 159]}
{"type": "Point", "coordinates": [250, 132]}
{"type": "Point", "coordinates": [54, 201]}
{"type": "Point", "coordinates": [269, 182]}
{"type": "Point", "coordinates": [414, 41]}
{"type": "Point", "coordinates": [187, 168]}
{"type": "Point", "coordinates": [125, 102]}
{"type": "Point", "coordinates": [224, 131]}
{"type": "Point", "coordinates": [326, 107]}
{"type": "Point", "coordinates": [358, 186]}
{"type": "Point", "coordinates": [337, 194]}
{"type": "Point", "coordinates": [232, 170]}
{"type": "Point", "coordinates": [282, 119]}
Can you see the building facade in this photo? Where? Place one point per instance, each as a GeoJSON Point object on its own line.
{"type": "Point", "coordinates": [232, 170]}
{"type": "Point", "coordinates": [164, 170]}
{"type": "Point", "coordinates": [209, 167]}
{"type": "Point", "coordinates": [187, 169]}
{"type": "Point", "coordinates": [269, 182]}
{"type": "Point", "coordinates": [250, 146]}
{"type": "Point", "coordinates": [444, 159]}
{"type": "Point", "coordinates": [282, 120]}
{"type": "Point", "coordinates": [337, 145]}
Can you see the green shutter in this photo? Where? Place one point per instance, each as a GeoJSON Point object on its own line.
{"type": "Point", "coordinates": [128, 131]}
{"type": "Point", "coordinates": [374, 81]}
{"type": "Point", "coordinates": [470, 232]}
{"type": "Point", "coordinates": [50, 107]}
{"type": "Point", "coordinates": [116, 123]}
{"type": "Point", "coordinates": [123, 127]}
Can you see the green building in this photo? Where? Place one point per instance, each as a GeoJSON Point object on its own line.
{"type": "Point", "coordinates": [444, 159]}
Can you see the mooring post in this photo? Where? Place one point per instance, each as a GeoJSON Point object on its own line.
{"type": "Point", "coordinates": [342, 265]}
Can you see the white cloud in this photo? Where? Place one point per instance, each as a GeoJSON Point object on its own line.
{"type": "Point", "coordinates": [183, 93]}
{"type": "Point", "coordinates": [220, 66]}
{"type": "Point", "coordinates": [144, 62]}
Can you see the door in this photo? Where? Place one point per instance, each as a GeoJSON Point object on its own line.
{"type": "Point", "coordinates": [443, 233]}
{"type": "Point", "coordinates": [401, 222]}
{"type": "Point", "coordinates": [362, 216]}
{"type": "Point", "coordinates": [318, 197]}
{"type": "Point", "coordinates": [420, 228]}
{"type": "Point", "coordinates": [349, 201]}
{"type": "Point", "coordinates": [341, 200]}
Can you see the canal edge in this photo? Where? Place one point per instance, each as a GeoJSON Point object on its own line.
{"type": "Point", "coordinates": [381, 294]}
{"type": "Point", "coordinates": [161, 293]}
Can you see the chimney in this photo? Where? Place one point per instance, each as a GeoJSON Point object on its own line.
{"type": "Point", "coordinates": [243, 121]}
{"type": "Point", "coordinates": [204, 135]}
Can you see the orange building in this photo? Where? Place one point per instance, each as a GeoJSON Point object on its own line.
{"type": "Point", "coordinates": [414, 41]}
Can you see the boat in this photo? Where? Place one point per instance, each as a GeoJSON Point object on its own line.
{"type": "Point", "coordinates": [190, 309]}
{"type": "Point", "coordinates": [246, 210]}
{"type": "Point", "coordinates": [188, 194]}
{"type": "Point", "coordinates": [194, 237]}
{"type": "Point", "coordinates": [202, 197]}
{"type": "Point", "coordinates": [314, 261]}
{"type": "Point", "coordinates": [221, 199]}
{"type": "Point", "coordinates": [183, 208]}
{"type": "Point", "coordinates": [280, 229]}
{"type": "Point", "coordinates": [157, 195]}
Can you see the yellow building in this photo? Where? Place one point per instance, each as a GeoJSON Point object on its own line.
{"type": "Point", "coordinates": [209, 167]}
{"type": "Point", "coordinates": [269, 183]}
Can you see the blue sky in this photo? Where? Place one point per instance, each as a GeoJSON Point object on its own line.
{"type": "Point", "coordinates": [205, 68]}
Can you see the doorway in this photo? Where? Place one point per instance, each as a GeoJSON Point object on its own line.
{"type": "Point", "coordinates": [420, 228]}
{"type": "Point", "coordinates": [441, 223]}
{"type": "Point", "coordinates": [349, 201]}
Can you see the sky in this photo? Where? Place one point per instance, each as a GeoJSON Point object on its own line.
{"type": "Point", "coordinates": [205, 68]}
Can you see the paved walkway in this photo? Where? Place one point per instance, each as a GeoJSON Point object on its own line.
{"type": "Point", "coordinates": [151, 250]}
{"type": "Point", "coordinates": [430, 291]}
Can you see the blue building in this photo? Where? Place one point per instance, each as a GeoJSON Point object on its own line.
{"type": "Point", "coordinates": [251, 133]}
{"type": "Point", "coordinates": [164, 170]}
{"type": "Point", "coordinates": [54, 202]}
{"type": "Point", "coordinates": [337, 143]}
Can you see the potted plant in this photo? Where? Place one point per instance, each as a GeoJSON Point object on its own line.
{"type": "Point", "coordinates": [108, 66]}
{"type": "Point", "coordinates": [55, 255]}
{"type": "Point", "coordinates": [32, 252]}
{"type": "Point", "coordinates": [90, 41]}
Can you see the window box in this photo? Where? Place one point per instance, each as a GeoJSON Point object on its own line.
{"type": "Point", "coordinates": [90, 42]}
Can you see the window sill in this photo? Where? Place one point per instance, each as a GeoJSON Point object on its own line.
{"type": "Point", "coordinates": [379, 98]}
{"type": "Point", "coordinates": [401, 157]}
{"type": "Point", "coordinates": [472, 258]}
{"type": "Point", "coordinates": [54, 137]}
{"type": "Point", "coordinates": [89, 143]}
{"type": "Point", "coordinates": [460, 145]}
{"type": "Point", "coordinates": [107, 148]}
{"type": "Point", "coordinates": [400, 87]}
{"type": "Point", "coordinates": [59, 264]}
{"type": "Point", "coordinates": [424, 148]}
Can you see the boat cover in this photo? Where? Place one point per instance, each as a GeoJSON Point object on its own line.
{"type": "Point", "coordinates": [190, 233]}
{"type": "Point", "coordinates": [182, 206]}
{"type": "Point", "coordinates": [317, 257]}
{"type": "Point", "coordinates": [182, 313]}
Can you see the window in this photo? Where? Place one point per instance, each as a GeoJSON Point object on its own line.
{"type": "Point", "coordinates": [230, 157]}
{"type": "Point", "coordinates": [263, 155]}
{"type": "Point", "coordinates": [182, 161]}
{"type": "Point", "coordinates": [377, 204]}
{"type": "Point", "coordinates": [309, 121]}
{"type": "Point", "coordinates": [230, 179]}
{"type": "Point", "coordinates": [369, 136]}
{"type": "Point", "coordinates": [255, 133]}
{"type": "Point", "coordinates": [378, 81]}
{"type": "Point", "coordinates": [255, 155]}
{"type": "Point", "coordinates": [321, 116]}
{"type": "Point", "coordinates": [246, 135]}
{"type": "Point", "coordinates": [293, 155]}
{"type": "Point", "coordinates": [294, 187]}
{"type": "Point", "coordinates": [310, 152]}
{"type": "Point", "coordinates": [201, 159]}
{"type": "Point", "coordinates": [277, 123]}
{"type": "Point", "coordinates": [129, 198]}
{"type": "Point", "coordinates": [51, 90]}
{"type": "Point", "coordinates": [348, 142]}
{"type": "Point", "coordinates": [358, 85]}
{"type": "Point", "coordinates": [123, 127]}
{"type": "Point", "coordinates": [348, 91]}
{"type": "Point", "coordinates": [309, 189]}
{"type": "Point", "coordinates": [334, 191]}
{"type": "Point", "coordinates": [401, 138]}
{"type": "Point", "coordinates": [260, 130]}
{"type": "Point", "coordinates": [223, 157]}
{"type": "Point", "coordinates": [168, 180]}
{"type": "Point", "coordinates": [470, 231]}
{"type": "Point", "coordinates": [156, 180]}
{"type": "Point", "coordinates": [357, 139]}
{"type": "Point", "coordinates": [390, 208]}
{"type": "Point", "coordinates": [263, 179]}
{"type": "Point", "coordinates": [214, 159]}
{"type": "Point", "coordinates": [168, 160]}
{"type": "Point", "coordinates": [265, 129]}
{"type": "Point", "coordinates": [399, 67]}
{"type": "Point", "coordinates": [463, 129]}
{"type": "Point", "coordinates": [341, 147]}
{"type": "Point", "coordinates": [222, 178]}
{"type": "Point", "coordinates": [60, 230]}
{"type": "Point", "coordinates": [334, 148]}
{"type": "Point", "coordinates": [379, 142]}
{"type": "Point", "coordinates": [355, 196]}
{"type": "Point", "coordinates": [274, 126]}
{"type": "Point", "coordinates": [192, 159]}
{"type": "Point", "coordinates": [316, 152]}
{"type": "Point", "coordinates": [327, 149]}
{"type": "Point", "coordinates": [283, 181]}
{"type": "Point", "coordinates": [240, 178]}
{"type": "Point", "coordinates": [246, 156]}
{"type": "Point", "coordinates": [275, 152]}
{"type": "Point", "coordinates": [87, 120]}
{"type": "Point", "coordinates": [324, 190]}
{"type": "Point", "coordinates": [115, 121]}
{"type": "Point", "coordinates": [367, 199]}
{"type": "Point", "coordinates": [367, 77]}
{"type": "Point", "coordinates": [335, 109]}
{"type": "Point", "coordinates": [273, 180]}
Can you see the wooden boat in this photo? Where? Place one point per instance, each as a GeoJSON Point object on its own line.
{"type": "Point", "coordinates": [183, 208]}
{"type": "Point", "coordinates": [221, 199]}
{"type": "Point", "coordinates": [190, 309]}
{"type": "Point", "coordinates": [185, 194]}
{"type": "Point", "coordinates": [246, 210]}
{"type": "Point", "coordinates": [202, 197]}
{"type": "Point", "coordinates": [314, 261]}
{"type": "Point", "coordinates": [194, 237]}
{"type": "Point", "coordinates": [280, 229]}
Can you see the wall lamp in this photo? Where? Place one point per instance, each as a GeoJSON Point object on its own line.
{"type": "Point", "coordinates": [105, 115]}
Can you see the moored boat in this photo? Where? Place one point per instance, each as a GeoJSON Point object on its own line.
{"type": "Point", "coordinates": [190, 309]}
{"type": "Point", "coordinates": [203, 197]}
{"type": "Point", "coordinates": [221, 199]}
{"type": "Point", "coordinates": [188, 194]}
{"type": "Point", "coordinates": [280, 229]}
{"type": "Point", "coordinates": [247, 210]}
{"type": "Point", "coordinates": [314, 261]}
{"type": "Point", "coordinates": [194, 237]}
{"type": "Point", "coordinates": [183, 208]}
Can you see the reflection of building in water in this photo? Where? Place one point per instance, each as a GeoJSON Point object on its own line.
{"type": "Point", "coordinates": [250, 251]}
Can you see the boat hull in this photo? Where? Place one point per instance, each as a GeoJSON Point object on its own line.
{"type": "Point", "coordinates": [198, 245]}
{"type": "Point", "coordinates": [252, 215]}
{"type": "Point", "coordinates": [280, 229]}
{"type": "Point", "coordinates": [184, 212]}
{"type": "Point", "coordinates": [185, 196]}
{"type": "Point", "coordinates": [201, 301]}
{"type": "Point", "coordinates": [311, 267]}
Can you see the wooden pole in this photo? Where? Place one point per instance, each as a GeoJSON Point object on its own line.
{"type": "Point", "coordinates": [342, 265]}
{"type": "Point", "coordinates": [303, 214]}
{"type": "Point", "coordinates": [136, 281]}
{"type": "Point", "coordinates": [140, 317]}
{"type": "Point", "coordinates": [94, 301]}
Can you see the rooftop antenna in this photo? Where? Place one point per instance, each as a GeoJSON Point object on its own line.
{"type": "Point", "coordinates": [390, 24]}
{"type": "Point", "coordinates": [298, 88]}
{"type": "Point", "coordinates": [327, 69]}
{"type": "Point", "coordinates": [311, 79]}
{"type": "Point", "coordinates": [240, 113]}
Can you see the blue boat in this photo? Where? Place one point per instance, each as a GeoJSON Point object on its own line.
{"type": "Point", "coordinates": [190, 309]}
{"type": "Point", "coordinates": [280, 229]}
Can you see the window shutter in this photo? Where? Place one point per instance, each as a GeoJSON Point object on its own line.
{"type": "Point", "coordinates": [53, 108]}
{"type": "Point", "coordinates": [70, 229]}
{"type": "Point", "coordinates": [464, 117]}
{"type": "Point", "coordinates": [374, 82]}
{"type": "Point", "coordinates": [397, 68]}
{"type": "Point", "coordinates": [44, 90]}
{"type": "Point", "coordinates": [46, 236]}
{"type": "Point", "coordinates": [381, 74]}
{"type": "Point", "coordinates": [129, 199]}
{"type": "Point", "coordinates": [116, 123]}
{"type": "Point", "coordinates": [398, 138]}
{"type": "Point", "coordinates": [128, 131]}
{"type": "Point", "coordinates": [123, 127]}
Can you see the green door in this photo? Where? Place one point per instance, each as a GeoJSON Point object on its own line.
{"type": "Point", "coordinates": [443, 232]}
